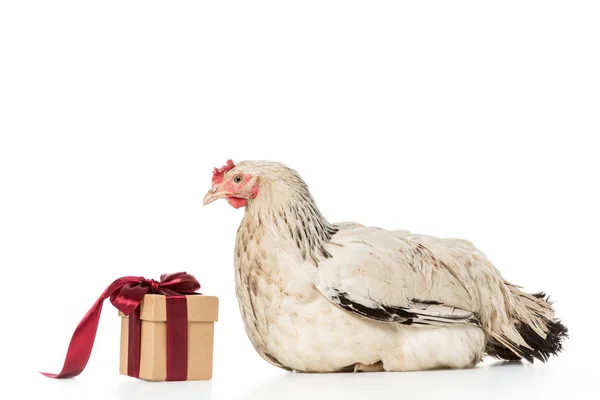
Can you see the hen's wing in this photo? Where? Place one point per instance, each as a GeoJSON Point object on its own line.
{"type": "Point", "coordinates": [392, 276]}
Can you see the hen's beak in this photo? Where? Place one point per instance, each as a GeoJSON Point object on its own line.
{"type": "Point", "coordinates": [215, 193]}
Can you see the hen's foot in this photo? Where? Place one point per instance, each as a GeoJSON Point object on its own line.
{"type": "Point", "coordinates": [377, 367]}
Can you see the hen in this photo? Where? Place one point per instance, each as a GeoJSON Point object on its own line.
{"type": "Point", "coordinates": [322, 297]}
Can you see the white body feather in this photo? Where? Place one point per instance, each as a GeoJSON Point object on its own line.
{"type": "Point", "coordinates": [311, 300]}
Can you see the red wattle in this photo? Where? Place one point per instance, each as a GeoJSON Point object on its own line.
{"type": "Point", "coordinates": [236, 202]}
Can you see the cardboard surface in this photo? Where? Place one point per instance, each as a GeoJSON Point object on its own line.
{"type": "Point", "coordinates": [202, 312]}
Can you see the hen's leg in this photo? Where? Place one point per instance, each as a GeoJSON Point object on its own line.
{"type": "Point", "coordinates": [377, 367]}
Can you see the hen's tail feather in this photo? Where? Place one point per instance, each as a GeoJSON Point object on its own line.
{"type": "Point", "coordinates": [534, 332]}
{"type": "Point", "coordinates": [542, 348]}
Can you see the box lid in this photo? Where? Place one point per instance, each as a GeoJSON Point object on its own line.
{"type": "Point", "coordinates": [199, 308]}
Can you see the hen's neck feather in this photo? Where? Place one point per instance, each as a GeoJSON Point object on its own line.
{"type": "Point", "coordinates": [285, 207]}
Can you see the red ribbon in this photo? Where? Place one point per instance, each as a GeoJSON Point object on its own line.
{"type": "Point", "coordinates": [126, 294]}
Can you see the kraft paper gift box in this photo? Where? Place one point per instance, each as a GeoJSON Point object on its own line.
{"type": "Point", "coordinates": [167, 329]}
{"type": "Point", "coordinates": [202, 312]}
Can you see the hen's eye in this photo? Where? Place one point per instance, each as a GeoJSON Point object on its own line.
{"type": "Point", "coordinates": [238, 179]}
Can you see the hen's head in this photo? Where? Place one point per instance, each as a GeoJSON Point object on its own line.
{"type": "Point", "coordinates": [234, 183]}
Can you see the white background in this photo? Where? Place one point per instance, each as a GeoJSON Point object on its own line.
{"type": "Point", "coordinates": [456, 119]}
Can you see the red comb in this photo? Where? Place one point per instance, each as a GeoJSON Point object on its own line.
{"type": "Point", "coordinates": [219, 173]}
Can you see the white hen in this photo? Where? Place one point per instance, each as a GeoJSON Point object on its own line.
{"type": "Point", "coordinates": [321, 297]}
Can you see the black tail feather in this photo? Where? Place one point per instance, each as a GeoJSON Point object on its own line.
{"type": "Point", "coordinates": [540, 348]}
{"type": "Point", "coordinates": [543, 348]}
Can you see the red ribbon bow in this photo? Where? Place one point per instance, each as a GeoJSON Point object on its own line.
{"type": "Point", "coordinates": [126, 294]}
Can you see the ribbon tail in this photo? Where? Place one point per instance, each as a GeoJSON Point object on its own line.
{"type": "Point", "coordinates": [83, 338]}
{"type": "Point", "coordinates": [81, 344]}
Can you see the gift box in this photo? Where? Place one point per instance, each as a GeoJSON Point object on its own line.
{"type": "Point", "coordinates": [154, 347]}
{"type": "Point", "coordinates": [166, 329]}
